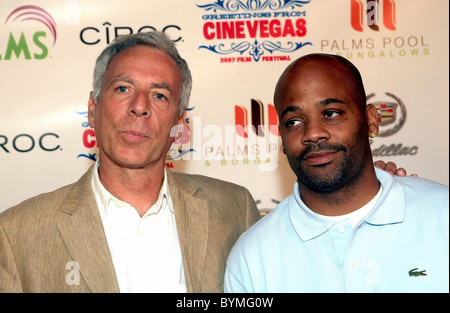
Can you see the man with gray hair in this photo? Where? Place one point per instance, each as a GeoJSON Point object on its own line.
{"type": "Point", "coordinates": [128, 224]}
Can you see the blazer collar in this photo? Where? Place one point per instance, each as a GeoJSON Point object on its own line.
{"type": "Point", "coordinates": [192, 219]}
{"type": "Point", "coordinates": [85, 239]}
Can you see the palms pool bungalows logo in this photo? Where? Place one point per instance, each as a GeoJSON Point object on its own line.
{"type": "Point", "coordinates": [29, 44]}
{"type": "Point", "coordinates": [254, 30]}
{"type": "Point", "coordinates": [374, 26]}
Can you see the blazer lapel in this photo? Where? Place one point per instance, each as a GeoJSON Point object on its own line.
{"type": "Point", "coordinates": [85, 239]}
{"type": "Point", "coordinates": [192, 219]}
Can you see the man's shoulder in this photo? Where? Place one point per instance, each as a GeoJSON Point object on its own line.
{"type": "Point", "coordinates": [416, 186]}
{"type": "Point", "coordinates": [424, 200]}
{"type": "Point", "coordinates": [420, 181]}
{"type": "Point", "coordinates": [206, 182]}
{"type": "Point", "coordinates": [269, 227]}
{"type": "Point", "coordinates": [36, 205]}
{"type": "Point", "coordinates": [48, 202]}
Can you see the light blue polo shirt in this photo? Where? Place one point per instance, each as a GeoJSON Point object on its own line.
{"type": "Point", "coordinates": [405, 236]}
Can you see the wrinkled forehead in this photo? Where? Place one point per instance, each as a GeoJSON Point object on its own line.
{"type": "Point", "coordinates": [145, 59]}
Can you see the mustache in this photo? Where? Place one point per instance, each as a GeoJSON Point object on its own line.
{"type": "Point", "coordinates": [320, 147]}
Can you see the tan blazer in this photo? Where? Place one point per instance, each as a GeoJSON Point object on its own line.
{"type": "Point", "coordinates": [55, 242]}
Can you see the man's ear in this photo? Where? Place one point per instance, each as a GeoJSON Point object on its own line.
{"type": "Point", "coordinates": [179, 131]}
{"type": "Point", "coordinates": [182, 118]}
{"type": "Point", "coordinates": [91, 109]}
{"type": "Point", "coordinates": [372, 120]}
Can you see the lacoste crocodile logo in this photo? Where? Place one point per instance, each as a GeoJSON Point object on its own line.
{"type": "Point", "coordinates": [414, 272]}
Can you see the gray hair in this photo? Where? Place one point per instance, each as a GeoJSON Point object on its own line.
{"type": "Point", "coordinates": [154, 39]}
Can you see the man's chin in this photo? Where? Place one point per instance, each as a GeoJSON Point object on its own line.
{"type": "Point", "coordinates": [323, 182]}
{"type": "Point", "coordinates": [322, 187]}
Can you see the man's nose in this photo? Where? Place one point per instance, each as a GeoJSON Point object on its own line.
{"type": "Point", "coordinates": [315, 132]}
{"type": "Point", "coordinates": [140, 105]}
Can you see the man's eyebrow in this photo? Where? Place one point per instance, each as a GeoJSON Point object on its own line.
{"type": "Point", "coordinates": [162, 86]}
{"type": "Point", "coordinates": [325, 102]}
{"type": "Point", "coordinates": [330, 101]}
{"type": "Point", "coordinates": [122, 78]}
{"type": "Point", "coordinates": [127, 79]}
{"type": "Point", "coordinates": [290, 109]}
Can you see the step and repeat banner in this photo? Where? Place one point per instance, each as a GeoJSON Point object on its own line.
{"type": "Point", "coordinates": [236, 50]}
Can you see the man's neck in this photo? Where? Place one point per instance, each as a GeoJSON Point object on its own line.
{"type": "Point", "coordinates": [139, 187]}
{"type": "Point", "coordinates": [343, 201]}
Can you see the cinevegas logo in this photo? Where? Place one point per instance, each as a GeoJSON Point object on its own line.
{"type": "Point", "coordinates": [29, 13]}
{"type": "Point", "coordinates": [372, 14]}
{"type": "Point", "coordinates": [254, 29]}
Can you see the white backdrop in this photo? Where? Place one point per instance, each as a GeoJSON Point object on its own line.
{"type": "Point", "coordinates": [236, 50]}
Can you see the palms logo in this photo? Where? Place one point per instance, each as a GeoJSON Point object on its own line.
{"type": "Point", "coordinates": [257, 119]}
{"type": "Point", "coordinates": [28, 13]}
{"type": "Point", "coordinates": [372, 14]}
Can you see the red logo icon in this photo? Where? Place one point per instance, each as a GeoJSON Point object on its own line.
{"type": "Point", "coordinates": [257, 119]}
{"type": "Point", "coordinates": [372, 14]}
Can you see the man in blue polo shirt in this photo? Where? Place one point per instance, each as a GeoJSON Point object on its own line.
{"type": "Point", "coordinates": [348, 227]}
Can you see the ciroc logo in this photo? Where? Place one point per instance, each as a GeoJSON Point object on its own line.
{"type": "Point", "coordinates": [92, 35]}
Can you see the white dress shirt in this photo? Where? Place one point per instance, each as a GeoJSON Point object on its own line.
{"type": "Point", "coordinates": [145, 251]}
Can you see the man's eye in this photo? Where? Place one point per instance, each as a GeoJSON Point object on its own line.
{"type": "Point", "coordinates": [293, 123]}
{"type": "Point", "coordinates": [331, 114]}
{"type": "Point", "coordinates": [122, 89]}
{"type": "Point", "coordinates": [160, 96]}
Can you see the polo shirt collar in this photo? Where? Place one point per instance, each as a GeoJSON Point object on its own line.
{"type": "Point", "coordinates": [389, 209]}
{"type": "Point", "coordinates": [306, 223]}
